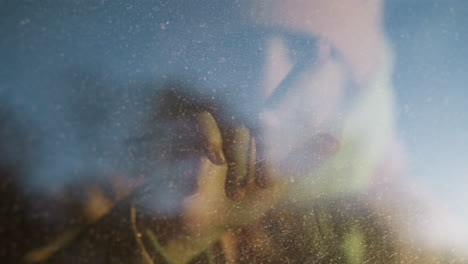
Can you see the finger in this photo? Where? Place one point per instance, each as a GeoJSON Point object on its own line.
{"type": "Point", "coordinates": [211, 137]}
{"type": "Point", "coordinates": [240, 153]}
{"type": "Point", "coordinates": [210, 196]}
{"type": "Point", "coordinates": [302, 161]}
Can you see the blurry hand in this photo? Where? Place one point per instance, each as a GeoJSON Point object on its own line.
{"type": "Point", "coordinates": [234, 183]}
{"type": "Point", "coordinates": [226, 194]}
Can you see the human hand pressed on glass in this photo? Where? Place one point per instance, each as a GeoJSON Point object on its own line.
{"type": "Point", "coordinates": [232, 184]}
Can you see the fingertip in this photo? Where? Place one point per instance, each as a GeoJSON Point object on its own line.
{"type": "Point", "coordinates": [219, 158]}
{"type": "Point", "coordinates": [211, 136]}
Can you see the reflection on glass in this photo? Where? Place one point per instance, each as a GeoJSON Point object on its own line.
{"type": "Point", "coordinates": [210, 132]}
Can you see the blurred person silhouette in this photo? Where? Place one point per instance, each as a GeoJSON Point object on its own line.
{"type": "Point", "coordinates": [268, 137]}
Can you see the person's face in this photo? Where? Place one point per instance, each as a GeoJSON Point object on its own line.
{"type": "Point", "coordinates": [348, 54]}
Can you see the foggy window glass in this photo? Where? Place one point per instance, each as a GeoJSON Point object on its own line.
{"type": "Point", "coordinates": [233, 131]}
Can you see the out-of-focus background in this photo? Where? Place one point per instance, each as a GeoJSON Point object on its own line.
{"type": "Point", "coordinates": [430, 78]}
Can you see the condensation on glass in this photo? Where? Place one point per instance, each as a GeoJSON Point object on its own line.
{"type": "Point", "coordinates": [319, 131]}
